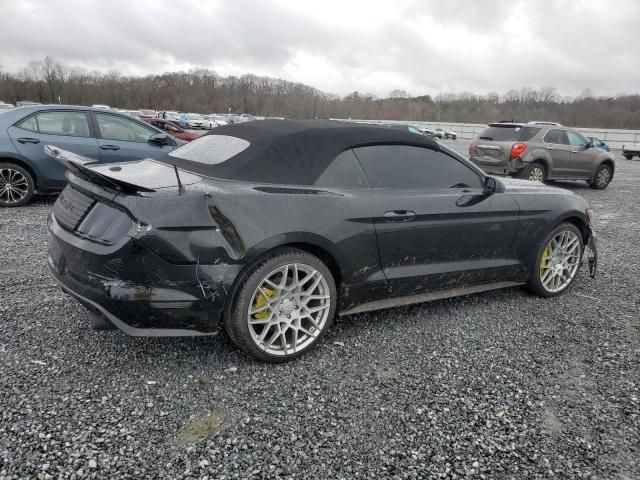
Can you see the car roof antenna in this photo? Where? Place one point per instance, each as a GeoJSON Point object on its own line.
{"type": "Point", "coordinates": [180, 187]}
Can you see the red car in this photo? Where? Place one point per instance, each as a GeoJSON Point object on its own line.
{"type": "Point", "coordinates": [147, 114]}
{"type": "Point", "coordinates": [172, 129]}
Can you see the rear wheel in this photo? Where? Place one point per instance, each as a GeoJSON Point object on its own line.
{"type": "Point", "coordinates": [16, 185]}
{"type": "Point", "coordinates": [628, 156]}
{"type": "Point", "coordinates": [602, 177]}
{"type": "Point", "coordinates": [284, 306]}
{"type": "Point", "coordinates": [557, 262]}
{"type": "Point", "coordinates": [534, 172]}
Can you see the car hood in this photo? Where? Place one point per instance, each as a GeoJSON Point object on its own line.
{"type": "Point", "coordinates": [518, 185]}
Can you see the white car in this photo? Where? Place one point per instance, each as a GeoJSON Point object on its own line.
{"type": "Point", "coordinates": [631, 150]}
{"type": "Point", "coordinates": [193, 121]}
{"type": "Point", "coordinates": [219, 119]}
{"type": "Point", "coordinates": [440, 133]}
{"type": "Point", "coordinates": [212, 123]}
{"type": "Point", "coordinates": [6, 106]}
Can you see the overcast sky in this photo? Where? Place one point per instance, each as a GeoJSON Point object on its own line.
{"type": "Point", "coordinates": [340, 46]}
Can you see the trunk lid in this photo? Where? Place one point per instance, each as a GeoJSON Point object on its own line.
{"type": "Point", "coordinates": [144, 175]}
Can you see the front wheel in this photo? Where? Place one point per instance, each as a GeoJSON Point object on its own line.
{"type": "Point", "coordinates": [557, 262]}
{"type": "Point", "coordinates": [602, 177]}
{"type": "Point", "coordinates": [284, 306]}
{"type": "Point", "coordinates": [16, 185]}
{"type": "Point", "coordinates": [628, 157]}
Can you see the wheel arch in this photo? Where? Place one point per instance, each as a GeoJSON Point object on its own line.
{"type": "Point", "coordinates": [608, 162]}
{"type": "Point", "coordinates": [576, 220]}
{"type": "Point", "coordinates": [21, 163]}
{"type": "Point", "coordinates": [317, 248]}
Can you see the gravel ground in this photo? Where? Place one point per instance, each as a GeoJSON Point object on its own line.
{"type": "Point", "coordinates": [495, 385]}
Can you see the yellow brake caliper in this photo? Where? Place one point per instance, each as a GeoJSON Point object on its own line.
{"type": "Point", "coordinates": [545, 260]}
{"type": "Point", "coordinates": [259, 301]}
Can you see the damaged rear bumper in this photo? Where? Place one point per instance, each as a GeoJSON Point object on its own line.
{"type": "Point", "coordinates": [136, 290]}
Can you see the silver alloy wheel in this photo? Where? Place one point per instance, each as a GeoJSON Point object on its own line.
{"type": "Point", "coordinates": [560, 261]}
{"type": "Point", "coordinates": [603, 177]}
{"type": "Point", "coordinates": [289, 309]}
{"type": "Point", "coordinates": [536, 174]}
{"type": "Point", "coordinates": [13, 186]}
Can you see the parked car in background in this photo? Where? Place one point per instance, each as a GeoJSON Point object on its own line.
{"type": "Point", "coordinates": [445, 134]}
{"type": "Point", "coordinates": [599, 143]}
{"type": "Point", "coordinates": [173, 129]}
{"type": "Point", "coordinates": [169, 115]}
{"type": "Point", "coordinates": [428, 131]}
{"type": "Point", "coordinates": [136, 114]}
{"type": "Point", "coordinates": [219, 119]}
{"type": "Point", "coordinates": [199, 240]}
{"type": "Point", "coordinates": [403, 126]}
{"type": "Point", "coordinates": [6, 106]}
{"type": "Point", "coordinates": [26, 103]}
{"type": "Point", "coordinates": [541, 152]}
{"type": "Point", "coordinates": [210, 121]}
{"type": "Point", "coordinates": [105, 136]}
{"type": "Point", "coordinates": [193, 121]}
{"type": "Point", "coordinates": [147, 113]}
{"type": "Point", "coordinates": [631, 150]}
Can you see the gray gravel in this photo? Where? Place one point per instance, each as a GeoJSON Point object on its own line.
{"type": "Point", "coordinates": [495, 385]}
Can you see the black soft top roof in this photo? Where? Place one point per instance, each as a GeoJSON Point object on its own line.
{"type": "Point", "coordinates": [292, 152]}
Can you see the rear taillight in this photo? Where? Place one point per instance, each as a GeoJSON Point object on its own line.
{"type": "Point", "coordinates": [517, 150]}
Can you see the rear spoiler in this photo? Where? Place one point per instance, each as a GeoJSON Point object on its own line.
{"type": "Point", "coordinates": [80, 165]}
{"type": "Point", "coordinates": [145, 175]}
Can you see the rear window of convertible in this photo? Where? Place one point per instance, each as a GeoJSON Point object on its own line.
{"type": "Point", "coordinates": [211, 149]}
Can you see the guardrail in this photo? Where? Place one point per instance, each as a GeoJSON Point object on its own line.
{"type": "Point", "coordinates": [467, 131]}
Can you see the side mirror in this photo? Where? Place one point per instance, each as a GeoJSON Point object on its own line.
{"type": "Point", "coordinates": [589, 145]}
{"type": "Point", "coordinates": [492, 185]}
{"type": "Point", "coordinates": [159, 139]}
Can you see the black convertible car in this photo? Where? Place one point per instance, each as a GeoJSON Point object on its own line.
{"type": "Point", "coordinates": [271, 228]}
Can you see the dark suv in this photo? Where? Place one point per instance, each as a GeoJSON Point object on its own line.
{"type": "Point", "coordinates": [541, 151]}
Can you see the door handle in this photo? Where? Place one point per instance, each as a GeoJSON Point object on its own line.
{"type": "Point", "coordinates": [549, 147]}
{"type": "Point", "coordinates": [400, 214]}
{"type": "Point", "coordinates": [109, 147]}
{"type": "Point", "coordinates": [574, 151]}
{"type": "Point", "coordinates": [28, 140]}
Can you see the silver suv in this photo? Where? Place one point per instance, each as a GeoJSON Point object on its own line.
{"type": "Point", "coordinates": [541, 151]}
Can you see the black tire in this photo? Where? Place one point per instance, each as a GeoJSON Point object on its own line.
{"type": "Point", "coordinates": [628, 157]}
{"type": "Point", "coordinates": [9, 171]}
{"type": "Point", "coordinates": [602, 178]}
{"type": "Point", "coordinates": [453, 137]}
{"type": "Point", "coordinates": [531, 169]}
{"type": "Point", "coordinates": [534, 283]}
{"type": "Point", "coordinates": [237, 321]}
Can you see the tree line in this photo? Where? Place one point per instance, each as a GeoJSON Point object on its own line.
{"type": "Point", "coordinates": [204, 91]}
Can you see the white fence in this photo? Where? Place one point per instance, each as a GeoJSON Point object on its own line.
{"type": "Point", "coordinates": [468, 131]}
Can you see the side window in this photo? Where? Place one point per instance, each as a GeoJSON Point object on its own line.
{"type": "Point", "coordinates": [576, 140]}
{"type": "Point", "coordinates": [408, 167]}
{"type": "Point", "coordinates": [29, 124]}
{"type": "Point", "coordinates": [343, 172]}
{"type": "Point", "coordinates": [114, 127]}
{"type": "Point", "coordinates": [72, 124]}
{"type": "Point", "coordinates": [555, 136]}
{"type": "Point", "coordinates": [528, 133]}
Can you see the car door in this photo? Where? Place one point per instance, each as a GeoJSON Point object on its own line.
{"type": "Point", "coordinates": [557, 145]}
{"type": "Point", "coordinates": [582, 158]}
{"type": "Point", "coordinates": [435, 227]}
{"type": "Point", "coordinates": [122, 139]}
{"type": "Point", "coordinates": [68, 129]}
